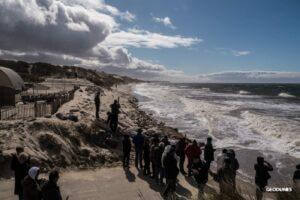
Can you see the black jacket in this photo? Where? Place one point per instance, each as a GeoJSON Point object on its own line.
{"type": "Point", "coordinates": [20, 170]}
{"type": "Point", "coordinates": [209, 153]}
{"type": "Point", "coordinates": [51, 191]}
{"type": "Point", "coordinates": [202, 168]}
{"type": "Point", "coordinates": [126, 146]}
{"type": "Point", "coordinates": [171, 169]}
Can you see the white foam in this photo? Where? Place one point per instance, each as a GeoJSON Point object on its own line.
{"type": "Point", "coordinates": [201, 117]}
{"type": "Point", "coordinates": [244, 92]}
{"type": "Point", "coordinates": [286, 95]}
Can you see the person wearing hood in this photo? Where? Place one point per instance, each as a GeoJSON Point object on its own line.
{"type": "Point", "coordinates": [171, 169]}
{"type": "Point", "coordinates": [192, 151]}
{"type": "Point", "coordinates": [31, 187]}
{"type": "Point", "coordinates": [51, 190]}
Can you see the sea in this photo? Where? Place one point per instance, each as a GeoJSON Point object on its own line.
{"type": "Point", "coordinates": [253, 119]}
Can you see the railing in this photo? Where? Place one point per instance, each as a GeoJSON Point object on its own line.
{"type": "Point", "coordinates": [36, 109]}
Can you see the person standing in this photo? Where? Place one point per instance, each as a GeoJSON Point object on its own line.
{"type": "Point", "coordinates": [31, 187]}
{"type": "Point", "coordinates": [15, 166]}
{"type": "Point", "coordinates": [155, 159]}
{"type": "Point", "coordinates": [296, 179]}
{"type": "Point", "coordinates": [234, 164]}
{"type": "Point", "coordinates": [21, 169]}
{"type": "Point", "coordinates": [126, 150]}
{"type": "Point", "coordinates": [115, 110]}
{"type": "Point", "coordinates": [221, 157]}
{"type": "Point", "coordinates": [146, 157]}
{"type": "Point", "coordinates": [209, 151]}
{"type": "Point", "coordinates": [171, 170]}
{"type": "Point", "coordinates": [138, 141]}
{"type": "Point", "coordinates": [180, 148]}
{"type": "Point", "coordinates": [51, 190]}
{"type": "Point", "coordinates": [97, 104]}
{"type": "Point", "coordinates": [262, 176]}
{"type": "Point", "coordinates": [192, 151]}
{"type": "Point", "coordinates": [224, 177]}
{"type": "Point", "coordinates": [200, 172]}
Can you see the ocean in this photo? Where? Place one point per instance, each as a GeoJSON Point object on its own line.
{"type": "Point", "coordinates": [252, 119]}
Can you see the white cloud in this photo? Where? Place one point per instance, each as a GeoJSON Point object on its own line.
{"type": "Point", "coordinates": [240, 53]}
{"type": "Point", "coordinates": [142, 38]}
{"type": "Point", "coordinates": [165, 21]}
{"type": "Point", "coordinates": [251, 77]}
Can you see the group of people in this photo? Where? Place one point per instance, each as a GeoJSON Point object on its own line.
{"type": "Point", "coordinates": [28, 186]}
{"type": "Point", "coordinates": [112, 116]}
{"type": "Point", "coordinates": [163, 161]}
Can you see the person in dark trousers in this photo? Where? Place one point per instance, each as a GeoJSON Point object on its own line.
{"type": "Point", "coordinates": [192, 151]}
{"type": "Point", "coordinates": [97, 104]}
{"type": "Point", "coordinates": [115, 110]}
{"type": "Point", "coordinates": [224, 177]}
{"type": "Point", "coordinates": [262, 176]}
{"type": "Point", "coordinates": [296, 179]}
{"type": "Point", "coordinates": [31, 187]}
{"type": "Point", "coordinates": [200, 171]}
{"type": "Point", "coordinates": [146, 157]}
{"type": "Point", "coordinates": [138, 141]}
{"type": "Point", "coordinates": [51, 190]}
{"type": "Point", "coordinates": [126, 150]}
{"type": "Point", "coordinates": [209, 151]}
{"type": "Point", "coordinates": [234, 164]}
{"type": "Point", "coordinates": [161, 168]}
{"type": "Point", "coordinates": [221, 157]}
{"type": "Point", "coordinates": [155, 159]}
{"type": "Point", "coordinates": [108, 120]}
{"type": "Point", "coordinates": [171, 170]}
{"type": "Point", "coordinates": [20, 166]}
{"type": "Point", "coordinates": [180, 151]}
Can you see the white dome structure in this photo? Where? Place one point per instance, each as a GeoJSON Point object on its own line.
{"type": "Point", "coordinates": [10, 79]}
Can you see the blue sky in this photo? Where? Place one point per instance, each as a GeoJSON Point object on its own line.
{"type": "Point", "coordinates": [173, 40]}
{"type": "Point", "coordinates": [268, 29]}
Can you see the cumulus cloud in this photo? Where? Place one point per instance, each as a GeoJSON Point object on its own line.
{"type": "Point", "coordinates": [146, 39]}
{"type": "Point", "coordinates": [165, 21]}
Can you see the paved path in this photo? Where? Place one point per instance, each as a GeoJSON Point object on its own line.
{"type": "Point", "coordinates": [106, 184]}
{"type": "Point", "coordinates": [113, 184]}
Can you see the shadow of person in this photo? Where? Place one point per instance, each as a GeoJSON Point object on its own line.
{"type": "Point", "coordinates": [207, 189]}
{"type": "Point", "coordinates": [182, 191]}
{"type": "Point", "coordinates": [129, 175]}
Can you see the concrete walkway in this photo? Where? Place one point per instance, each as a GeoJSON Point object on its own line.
{"type": "Point", "coordinates": [106, 184]}
{"type": "Point", "coordinates": [118, 184]}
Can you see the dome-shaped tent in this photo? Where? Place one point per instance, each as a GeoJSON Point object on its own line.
{"type": "Point", "coordinates": [10, 85]}
{"type": "Point", "coordinates": [10, 79]}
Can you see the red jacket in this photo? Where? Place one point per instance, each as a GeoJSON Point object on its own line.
{"type": "Point", "coordinates": [192, 151]}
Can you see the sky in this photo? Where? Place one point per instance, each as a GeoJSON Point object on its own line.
{"type": "Point", "coordinates": [172, 40]}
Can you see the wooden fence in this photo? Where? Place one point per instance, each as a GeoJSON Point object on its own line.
{"type": "Point", "coordinates": [37, 109]}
